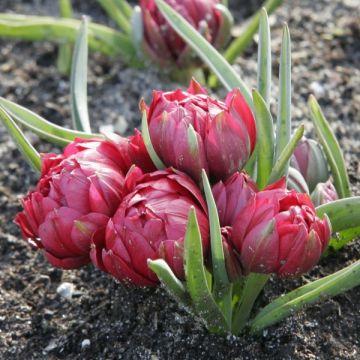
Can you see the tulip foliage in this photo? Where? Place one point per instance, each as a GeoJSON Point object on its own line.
{"type": "Point", "coordinates": [211, 199]}
{"type": "Point", "coordinates": [143, 33]}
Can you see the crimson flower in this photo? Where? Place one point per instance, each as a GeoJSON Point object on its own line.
{"type": "Point", "coordinates": [150, 223]}
{"type": "Point", "coordinates": [163, 45]}
{"type": "Point", "coordinates": [191, 131]}
{"type": "Point", "coordinates": [279, 232]}
{"type": "Point", "coordinates": [77, 193]}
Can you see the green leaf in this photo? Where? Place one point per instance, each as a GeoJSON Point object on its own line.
{"type": "Point", "coordinates": [124, 7]}
{"type": "Point", "coordinates": [205, 51]}
{"type": "Point", "coordinates": [343, 213]}
{"type": "Point", "coordinates": [65, 50]}
{"type": "Point", "coordinates": [265, 140]}
{"type": "Point", "coordinates": [254, 283]}
{"type": "Point", "coordinates": [78, 81]}
{"type": "Point", "coordinates": [168, 278]}
{"type": "Point", "coordinates": [101, 38]}
{"type": "Point", "coordinates": [222, 287]}
{"type": "Point", "coordinates": [115, 13]}
{"type": "Point", "coordinates": [283, 124]}
{"type": "Point", "coordinates": [281, 164]}
{"type": "Point", "coordinates": [331, 148]}
{"type": "Point", "coordinates": [45, 129]}
{"type": "Point", "coordinates": [196, 279]}
{"type": "Point", "coordinates": [23, 144]}
{"type": "Point", "coordinates": [264, 58]}
{"type": "Point", "coordinates": [287, 304]}
{"type": "Point", "coordinates": [148, 144]}
{"type": "Point", "coordinates": [343, 237]}
{"type": "Point", "coordinates": [240, 44]}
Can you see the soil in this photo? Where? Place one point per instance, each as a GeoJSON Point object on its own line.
{"type": "Point", "coordinates": [104, 320]}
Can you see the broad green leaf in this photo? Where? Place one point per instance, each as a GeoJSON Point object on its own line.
{"type": "Point", "coordinates": [281, 164]}
{"type": "Point", "coordinates": [101, 38]}
{"type": "Point", "coordinates": [222, 287]}
{"type": "Point", "coordinates": [300, 291]}
{"type": "Point", "coordinates": [65, 50]}
{"type": "Point", "coordinates": [78, 81]}
{"type": "Point", "coordinates": [254, 283]}
{"type": "Point", "coordinates": [287, 304]}
{"type": "Point", "coordinates": [264, 58]}
{"type": "Point", "coordinates": [114, 12]}
{"type": "Point", "coordinates": [23, 144]}
{"type": "Point", "coordinates": [45, 129]}
{"type": "Point", "coordinates": [148, 144]}
{"type": "Point", "coordinates": [332, 149]}
{"type": "Point", "coordinates": [168, 278]}
{"type": "Point", "coordinates": [196, 279]}
{"type": "Point", "coordinates": [343, 213]}
{"type": "Point", "coordinates": [205, 51]}
{"type": "Point", "coordinates": [344, 237]}
{"type": "Point", "coordinates": [283, 124]}
{"type": "Point", "coordinates": [265, 140]}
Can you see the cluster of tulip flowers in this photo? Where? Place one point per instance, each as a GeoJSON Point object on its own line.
{"type": "Point", "coordinates": [207, 199]}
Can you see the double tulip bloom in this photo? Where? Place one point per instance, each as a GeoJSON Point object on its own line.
{"type": "Point", "coordinates": [77, 193]}
{"type": "Point", "coordinates": [271, 231]}
{"type": "Point", "coordinates": [164, 46]}
{"type": "Point", "coordinates": [191, 131]}
{"type": "Point", "coordinates": [150, 223]}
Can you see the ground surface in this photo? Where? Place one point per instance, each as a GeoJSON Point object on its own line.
{"type": "Point", "coordinates": [119, 323]}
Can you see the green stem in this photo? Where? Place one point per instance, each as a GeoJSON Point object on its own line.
{"type": "Point", "coordinates": [254, 283]}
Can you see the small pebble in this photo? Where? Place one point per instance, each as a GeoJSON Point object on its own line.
{"type": "Point", "coordinates": [66, 290]}
{"type": "Point", "coordinates": [85, 344]}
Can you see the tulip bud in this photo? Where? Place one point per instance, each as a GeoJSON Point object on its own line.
{"type": "Point", "coordinates": [296, 181]}
{"type": "Point", "coordinates": [77, 193]}
{"type": "Point", "coordinates": [310, 160]}
{"type": "Point", "coordinates": [150, 223]}
{"type": "Point", "coordinates": [324, 193]}
{"type": "Point", "coordinates": [192, 131]}
{"type": "Point", "coordinates": [279, 232]}
{"type": "Point", "coordinates": [161, 42]}
{"type": "Point", "coordinates": [232, 196]}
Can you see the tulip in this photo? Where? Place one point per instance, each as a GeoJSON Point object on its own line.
{"type": "Point", "coordinates": [324, 193]}
{"type": "Point", "coordinates": [192, 131]}
{"type": "Point", "coordinates": [296, 181]}
{"type": "Point", "coordinates": [150, 223]}
{"type": "Point", "coordinates": [77, 193]}
{"type": "Point", "coordinates": [310, 160]}
{"type": "Point", "coordinates": [279, 232]}
{"type": "Point", "coordinates": [161, 42]}
{"type": "Point", "coordinates": [232, 196]}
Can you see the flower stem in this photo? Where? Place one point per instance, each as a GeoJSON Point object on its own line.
{"type": "Point", "coordinates": [254, 283]}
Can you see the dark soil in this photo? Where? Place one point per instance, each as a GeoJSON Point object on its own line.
{"type": "Point", "coordinates": [104, 320]}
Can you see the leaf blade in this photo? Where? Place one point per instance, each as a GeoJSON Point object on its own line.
{"type": "Point", "coordinates": [265, 139]}
{"type": "Point", "coordinates": [78, 82]}
{"type": "Point", "coordinates": [331, 148]}
{"type": "Point", "coordinates": [281, 165]}
{"type": "Point", "coordinates": [45, 129]}
{"type": "Point", "coordinates": [283, 123]}
{"type": "Point", "coordinates": [29, 152]}
{"type": "Point", "coordinates": [196, 281]}
{"type": "Point", "coordinates": [264, 57]}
